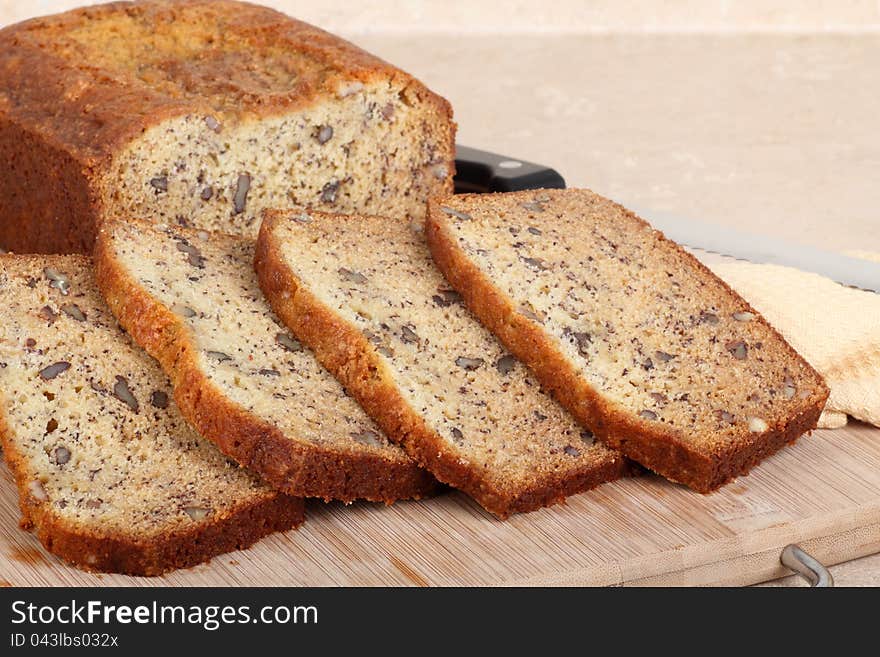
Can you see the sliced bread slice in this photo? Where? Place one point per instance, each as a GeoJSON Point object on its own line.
{"type": "Point", "coordinates": [191, 299]}
{"type": "Point", "coordinates": [364, 294]}
{"type": "Point", "coordinates": [640, 341]}
{"type": "Point", "coordinates": [109, 474]}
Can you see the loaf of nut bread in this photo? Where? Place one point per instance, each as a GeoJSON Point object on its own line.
{"type": "Point", "coordinates": [203, 112]}
{"type": "Point", "coordinates": [640, 341]}
{"type": "Point", "coordinates": [364, 294]}
{"type": "Point", "coordinates": [109, 474]}
{"type": "Point", "coordinates": [191, 299]}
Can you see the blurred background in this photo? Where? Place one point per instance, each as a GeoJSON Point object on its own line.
{"type": "Point", "coordinates": [762, 114]}
{"type": "Point", "coordinates": [565, 15]}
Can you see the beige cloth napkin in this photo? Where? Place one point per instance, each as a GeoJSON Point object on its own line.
{"type": "Point", "coordinates": [837, 329]}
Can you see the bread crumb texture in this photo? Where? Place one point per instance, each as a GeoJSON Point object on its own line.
{"type": "Point", "coordinates": [485, 411]}
{"type": "Point", "coordinates": [93, 436]}
{"type": "Point", "coordinates": [652, 332]}
{"type": "Point", "coordinates": [231, 341]}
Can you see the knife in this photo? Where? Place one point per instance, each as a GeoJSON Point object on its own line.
{"type": "Point", "coordinates": [754, 247]}
{"type": "Point", "coordinates": [482, 172]}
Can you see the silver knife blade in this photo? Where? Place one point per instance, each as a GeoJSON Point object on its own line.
{"type": "Point", "coordinates": [754, 247]}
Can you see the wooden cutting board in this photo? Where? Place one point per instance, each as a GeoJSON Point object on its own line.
{"type": "Point", "coordinates": [823, 493]}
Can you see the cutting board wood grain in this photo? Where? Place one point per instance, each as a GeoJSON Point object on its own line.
{"type": "Point", "coordinates": [823, 492]}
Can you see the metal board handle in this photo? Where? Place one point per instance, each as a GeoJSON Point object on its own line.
{"type": "Point", "coordinates": [806, 566]}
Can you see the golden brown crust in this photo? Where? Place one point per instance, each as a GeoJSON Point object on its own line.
{"type": "Point", "coordinates": [290, 466]}
{"type": "Point", "coordinates": [91, 549]}
{"type": "Point", "coordinates": [63, 120]}
{"type": "Point", "coordinates": [92, 116]}
{"type": "Point", "coordinates": [353, 360]}
{"type": "Point", "coordinates": [48, 210]}
{"type": "Point", "coordinates": [651, 446]}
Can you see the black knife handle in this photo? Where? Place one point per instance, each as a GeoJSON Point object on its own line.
{"type": "Point", "coordinates": [481, 172]}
